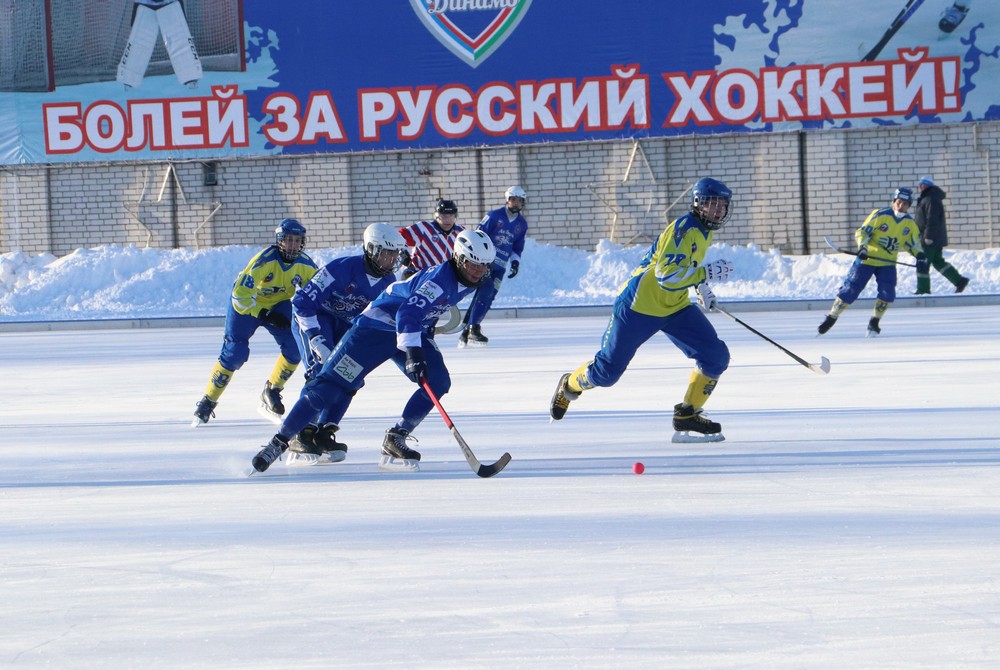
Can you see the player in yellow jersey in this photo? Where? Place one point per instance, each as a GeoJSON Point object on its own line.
{"type": "Point", "coordinates": [262, 296]}
{"type": "Point", "coordinates": [655, 300]}
{"type": "Point", "coordinates": [880, 239]}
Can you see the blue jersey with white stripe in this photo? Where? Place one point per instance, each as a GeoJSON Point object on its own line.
{"type": "Point", "coordinates": [342, 288]}
{"type": "Point", "coordinates": [413, 306]}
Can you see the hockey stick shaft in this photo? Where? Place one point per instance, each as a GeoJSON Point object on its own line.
{"type": "Point", "coordinates": [904, 14]}
{"type": "Point", "coordinates": [477, 467]}
{"type": "Point", "coordinates": [822, 368]}
{"type": "Point", "coordinates": [851, 252]}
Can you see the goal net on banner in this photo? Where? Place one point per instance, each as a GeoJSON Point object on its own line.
{"type": "Point", "coordinates": [50, 43]}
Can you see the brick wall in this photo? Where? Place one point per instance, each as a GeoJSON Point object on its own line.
{"type": "Point", "coordinates": [578, 193]}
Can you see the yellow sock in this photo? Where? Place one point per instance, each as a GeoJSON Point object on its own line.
{"type": "Point", "coordinates": [282, 372]}
{"type": "Point", "coordinates": [838, 307]}
{"type": "Point", "coordinates": [699, 388]}
{"type": "Point", "coordinates": [880, 307]}
{"type": "Point", "coordinates": [578, 382]}
{"type": "Point", "coordinates": [218, 382]}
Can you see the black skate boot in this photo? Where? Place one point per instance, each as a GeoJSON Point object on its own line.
{"type": "Point", "coordinates": [952, 17]}
{"type": "Point", "coordinates": [476, 338]}
{"type": "Point", "coordinates": [561, 398]}
{"type": "Point", "coordinates": [303, 448]}
{"type": "Point", "coordinates": [271, 452]}
{"type": "Point", "coordinates": [691, 426]}
{"type": "Point", "coordinates": [203, 411]}
{"type": "Point", "coordinates": [827, 324]}
{"type": "Point", "coordinates": [962, 283]}
{"type": "Point", "coordinates": [395, 454]}
{"type": "Point", "coordinates": [271, 406]}
{"type": "Point", "coordinates": [873, 328]}
{"type": "Point", "coordinates": [463, 339]}
{"type": "Point", "coordinates": [333, 451]}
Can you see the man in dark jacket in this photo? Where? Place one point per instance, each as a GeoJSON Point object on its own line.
{"type": "Point", "coordinates": [930, 219]}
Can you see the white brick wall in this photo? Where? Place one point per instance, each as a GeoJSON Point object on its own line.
{"type": "Point", "coordinates": [578, 193]}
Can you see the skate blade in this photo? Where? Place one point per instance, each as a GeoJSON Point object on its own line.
{"type": "Point", "coordinates": [263, 410]}
{"type": "Point", "coordinates": [689, 437]}
{"type": "Point", "coordinates": [294, 459]}
{"type": "Point", "coordinates": [477, 345]}
{"type": "Point", "coordinates": [872, 333]}
{"type": "Point", "coordinates": [335, 456]}
{"type": "Point", "coordinates": [197, 423]}
{"type": "Point", "coordinates": [390, 464]}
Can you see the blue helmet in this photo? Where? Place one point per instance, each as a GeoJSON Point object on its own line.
{"type": "Point", "coordinates": [904, 194]}
{"type": "Point", "coordinates": [289, 227]}
{"type": "Point", "coordinates": [706, 194]}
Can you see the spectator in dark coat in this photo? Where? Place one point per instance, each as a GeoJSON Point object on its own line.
{"type": "Point", "coordinates": [930, 219]}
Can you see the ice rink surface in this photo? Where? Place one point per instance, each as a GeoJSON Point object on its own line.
{"type": "Point", "coordinates": [849, 520]}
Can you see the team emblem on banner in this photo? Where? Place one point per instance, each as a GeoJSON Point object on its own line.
{"type": "Point", "coordinates": [471, 29]}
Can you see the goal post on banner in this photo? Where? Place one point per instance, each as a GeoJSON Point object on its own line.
{"type": "Point", "coordinates": [50, 43]}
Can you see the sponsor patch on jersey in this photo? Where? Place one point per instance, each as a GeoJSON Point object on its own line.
{"type": "Point", "coordinates": [269, 277]}
{"type": "Point", "coordinates": [884, 227]}
{"type": "Point", "coordinates": [430, 290]}
{"type": "Point", "coordinates": [348, 368]}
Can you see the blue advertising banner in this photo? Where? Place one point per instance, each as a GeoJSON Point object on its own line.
{"type": "Point", "coordinates": [113, 80]}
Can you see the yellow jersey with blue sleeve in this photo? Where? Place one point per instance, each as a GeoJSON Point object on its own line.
{"type": "Point", "coordinates": [268, 279]}
{"type": "Point", "coordinates": [659, 286]}
{"type": "Point", "coordinates": [884, 236]}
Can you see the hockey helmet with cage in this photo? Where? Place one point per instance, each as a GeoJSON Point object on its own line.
{"type": "Point", "coordinates": [289, 251]}
{"type": "Point", "coordinates": [707, 196]}
{"type": "Point", "coordinates": [380, 237]}
{"type": "Point", "coordinates": [515, 192]}
{"type": "Point", "coordinates": [475, 247]}
{"type": "Point", "coordinates": [446, 207]}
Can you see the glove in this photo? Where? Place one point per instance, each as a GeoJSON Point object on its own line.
{"type": "Point", "coordinates": [923, 265]}
{"type": "Point", "coordinates": [718, 271]}
{"type": "Point", "coordinates": [416, 364]}
{"type": "Point", "coordinates": [320, 349]}
{"type": "Point", "coordinates": [273, 318]}
{"type": "Point", "coordinates": [405, 259]}
{"type": "Point", "coordinates": [514, 267]}
{"type": "Point", "coordinates": [863, 253]}
{"type": "Point", "coordinates": [706, 298]}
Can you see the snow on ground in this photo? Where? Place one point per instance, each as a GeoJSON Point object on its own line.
{"type": "Point", "coordinates": [111, 282]}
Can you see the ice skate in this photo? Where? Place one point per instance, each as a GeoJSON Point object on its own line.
{"type": "Point", "coordinates": [271, 407]}
{"type": "Point", "coordinates": [302, 449]}
{"type": "Point", "coordinates": [953, 16]}
{"type": "Point", "coordinates": [873, 328]}
{"type": "Point", "coordinates": [463, 339]}
{"type": "Point", "coordinates": [269, 453]}
{"type": "Point", "coordinates": [396, 456]}
{"type": "Point", "coordinates": [561, 398]}
{"type": "Point", "coordinates": [474, 337]}
{"type": "Point", "coordinates": [203, 411]}
{"type": "Point", "coordinates": [331, 450]}
{"type": "Point", "coordinates": [826, 325]}
{"type": "Point", "coordinates": [691, 426]}
{"type": "Point", "coordinates": [962, 283]}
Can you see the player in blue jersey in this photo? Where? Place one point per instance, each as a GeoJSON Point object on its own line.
{"type": "Point", "coordinates": [506, 227]}
{"type": "Point", "coordinates": [261, 297]}
{"type": "Point", "coordinates": [880, 238]}
{"type": "Point", "coordinates": [655, 300]}
{"type": "Point", "coordinates": [399, 326]}
{"type": "Point", "coordinates": [324, 309]}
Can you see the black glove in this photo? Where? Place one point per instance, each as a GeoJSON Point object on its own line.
{"type": "Point", "coordinates": [405, 259]}
{"type": "Point", "coordinates": [416, 364]}
{"type": "Point", "coordinates": [923, 266]}
{"type": "Point", "coordinates": [514, 267]}
{"type": "Point", "coordinates": [863, 253]}
{"type": "Point", "coordinates": [273, 318]}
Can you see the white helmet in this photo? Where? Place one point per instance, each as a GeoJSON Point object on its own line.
{"type": "Point", "coordinates": [381, 237]}
{"type": "Point", "coordinates": [515, 192]}
{"type": "Point", "coordinates": [474, 246]}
